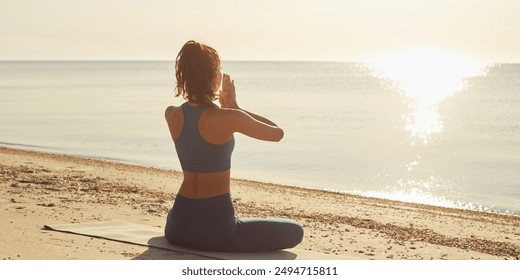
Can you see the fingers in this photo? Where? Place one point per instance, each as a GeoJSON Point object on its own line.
{"type": "Point", "coordinates": [228, 85]}
{"type": "Point", "coordinates": [227, 97]}
{"type": "Point", "coordinates": [225, 84]}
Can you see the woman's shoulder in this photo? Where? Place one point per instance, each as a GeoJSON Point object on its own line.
{"type": "Point", "coordinates": [172, 111]}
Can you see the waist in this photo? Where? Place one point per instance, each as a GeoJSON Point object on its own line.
{"type": "Point", "coordinates": [205, 185]}
{"type": "Point", "coordinates": [200, 210]}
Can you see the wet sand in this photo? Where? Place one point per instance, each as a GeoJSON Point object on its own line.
{"type": "Point", "coordinates": [42, 188]}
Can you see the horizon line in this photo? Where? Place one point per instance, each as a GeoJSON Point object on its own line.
{"type": "Point", "coordinates": [227, 60]}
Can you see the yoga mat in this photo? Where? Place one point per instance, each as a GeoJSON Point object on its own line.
{"type": "Point", "coordinates": [123, 231]}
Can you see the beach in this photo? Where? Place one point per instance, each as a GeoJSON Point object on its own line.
{"type": "Point", "coordinates": [39, 188]}
{"type": "Point", "coordinates": [368, 141]}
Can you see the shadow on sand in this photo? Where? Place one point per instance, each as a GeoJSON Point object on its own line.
{"type": "Point", "coordinates": [157, 251]}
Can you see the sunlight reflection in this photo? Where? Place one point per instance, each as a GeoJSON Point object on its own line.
{"type": "Point", "coordinates": [414, 195]}
{"type": "Point", "coordinates": [427, 77]}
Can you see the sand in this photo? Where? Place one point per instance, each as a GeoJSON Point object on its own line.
{"type": "Point", "coordinates": [41, 188]}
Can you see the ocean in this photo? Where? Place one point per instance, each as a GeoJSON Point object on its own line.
{"type": "Point", "coordinates": [430, 135]}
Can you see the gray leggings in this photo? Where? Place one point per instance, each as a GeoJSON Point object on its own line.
{"type": "Point", "coordinates": [209, 224]}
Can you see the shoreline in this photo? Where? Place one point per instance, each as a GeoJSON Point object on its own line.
{"type": "Point", "coordinates": [40, 187]}
{"type": "Point", "coordinates": [19, 147]}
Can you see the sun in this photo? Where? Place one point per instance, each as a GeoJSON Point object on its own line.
{"type": "Point", "coordinates": [427, 76]}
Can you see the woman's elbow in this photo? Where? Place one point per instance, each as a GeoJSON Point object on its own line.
{"type": "Point", "coordinates": [279, 135]}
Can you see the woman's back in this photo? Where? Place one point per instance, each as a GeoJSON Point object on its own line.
{"type": "Point", "coordinates": [196, 153]}
{"type": "Point", "coordinates": [204, 156]}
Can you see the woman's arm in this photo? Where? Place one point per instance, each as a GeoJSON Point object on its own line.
{"type": "Point", "coordinates": [253, 125]}
{"type": "Point", "coordinates": [245, 122]}
{"type": "Point", "coordinates": [259, 118]}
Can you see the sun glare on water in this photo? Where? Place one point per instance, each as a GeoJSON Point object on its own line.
{"type": "Point", "coordinates": [427, 77]}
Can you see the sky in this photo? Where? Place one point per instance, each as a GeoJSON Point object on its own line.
{"type": "Point", "coordinates": [309, 30]}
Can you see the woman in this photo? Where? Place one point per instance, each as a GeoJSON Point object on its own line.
{"type": "Point", "coordinates": [202, 216]}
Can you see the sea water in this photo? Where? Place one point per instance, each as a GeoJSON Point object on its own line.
{"type": "Point", "coordinates": [441, 138]}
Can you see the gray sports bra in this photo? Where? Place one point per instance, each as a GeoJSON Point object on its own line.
{"type": "Point", "coordinates": [194, 152]}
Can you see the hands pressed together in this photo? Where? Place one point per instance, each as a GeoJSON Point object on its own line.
{"type": "Point", "coordinates": [227, 96]}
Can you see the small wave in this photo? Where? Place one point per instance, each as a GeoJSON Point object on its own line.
{"type": "Point", "coordinates": [23, 145]}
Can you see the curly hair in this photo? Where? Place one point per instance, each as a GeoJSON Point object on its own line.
{"type": "Point", "coordinates": [196, 70]}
